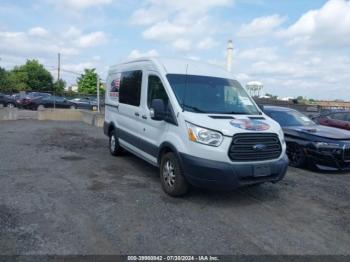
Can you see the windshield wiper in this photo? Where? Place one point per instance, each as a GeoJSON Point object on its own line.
{"type": "Point", "coordinates": [195, 109]}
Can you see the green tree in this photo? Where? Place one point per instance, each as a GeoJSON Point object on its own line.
{"type": "Point", "coordinates": [4, 81]}
{"type": "Point", "coordinates": [18, 79]}
{"type": "Point", "coordinates": [39, 79]}
{"type": "Point", "coordinates": [30, 76]}
{"type": "Point", "coordinates": [59, 86]}
{"type": "Point", "coordinates": [87, 82]}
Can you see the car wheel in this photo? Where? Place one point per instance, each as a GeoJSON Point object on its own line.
{"type": "Point", "coordinates": [296, 155]}
{"type": "Point", "coordinates": [172, 176]}
{"type": "Point", "coordinates": [114, 147]}
{"type": "Point", "coordinates": [40, 107]}
{"type": "Point", "coordinates": [10, 105]}
{"type": "Point", "coordinates": [1, 105]}
{"type": "Point", "coordinates": [73, 107]}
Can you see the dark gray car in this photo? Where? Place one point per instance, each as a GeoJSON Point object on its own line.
{"type": "Point", "coordinates": [85, 103]}
{"type": "Point", "coordinates": [7, 101]}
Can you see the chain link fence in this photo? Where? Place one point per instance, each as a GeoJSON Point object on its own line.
{"type": "Point", "coordinates": [68, 95]}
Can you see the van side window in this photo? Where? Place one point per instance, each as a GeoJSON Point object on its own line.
{"type": "Point", "coordinates": [156, 90]}
{"type": "Point", "coordinates": [130, 88]}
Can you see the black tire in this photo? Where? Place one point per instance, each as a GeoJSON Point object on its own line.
{"type": "Point", "coordinates": [172, 176]}
{"type": "Point", "coordinates": [296, 155]}
{"type": "Point", "coordinates": [73, 107]}
{"type": "Point", "coordinates": [10, 105]}
{"type": "Point", "coordinates": [114, 148]}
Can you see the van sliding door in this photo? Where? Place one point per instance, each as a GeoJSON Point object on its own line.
{"type": "Point", "coordinates": [129, 116]}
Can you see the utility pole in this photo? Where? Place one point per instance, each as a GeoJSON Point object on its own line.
{"type": "Point", "coordinates": [58, 77]}
{"type": "Point", "coordinates": [59, 67]}
{"type": "Point", "coordinates": [98, 94]}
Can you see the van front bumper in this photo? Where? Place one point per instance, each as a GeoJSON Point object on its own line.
{"type": "Point", "coordinates": [221, 175]}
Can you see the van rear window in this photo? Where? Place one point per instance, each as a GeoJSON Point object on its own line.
{"type": "Point", "coordinates": [130, 88]}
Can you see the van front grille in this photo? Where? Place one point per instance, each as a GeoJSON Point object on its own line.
{"type": "Point", "coordinates": [255, 147]}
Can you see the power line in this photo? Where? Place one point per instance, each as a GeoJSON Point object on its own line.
{"type": "Point", "coordinates": [72, 72]}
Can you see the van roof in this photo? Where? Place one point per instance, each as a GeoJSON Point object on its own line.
{"type": "Point", "coordinates": [180, 66]}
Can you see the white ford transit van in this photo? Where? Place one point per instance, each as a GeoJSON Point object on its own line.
{"type": "Point", "coordinates": [194, 122]}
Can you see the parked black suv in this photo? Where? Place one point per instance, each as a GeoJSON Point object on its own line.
{"type": "Point", "coordinates": [307, 142]}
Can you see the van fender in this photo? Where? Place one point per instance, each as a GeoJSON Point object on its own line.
{"type": "Point", "coordinates": [107, 127]}
{"type": "Point", "coordinates": [167, 147]}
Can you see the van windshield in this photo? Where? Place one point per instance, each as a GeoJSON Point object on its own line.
{"type": "Point", "coordinates": [204, 94]}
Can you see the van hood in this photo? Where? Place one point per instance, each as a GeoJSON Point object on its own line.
{"type": "Point", "coordinates": [230, 125]}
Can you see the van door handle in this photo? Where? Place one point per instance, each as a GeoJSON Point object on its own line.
{"type": "Point", "coordinates": [137, 114]}
{"type": "Point", "coordinates": [144, 116]}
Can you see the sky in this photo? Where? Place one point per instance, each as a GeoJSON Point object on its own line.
{"type": "Point", "coordinates": [294, 47]}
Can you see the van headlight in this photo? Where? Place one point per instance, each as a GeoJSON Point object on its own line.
{"type": "Point", "coordinates": [281, 134]}
{"type": "Point", "coordinates": [204, 136]}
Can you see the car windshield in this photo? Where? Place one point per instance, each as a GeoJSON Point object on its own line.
{"type": "Point", "coordinates": [290, 118]}
{"type": "Point", "coordinates": [204, 94]}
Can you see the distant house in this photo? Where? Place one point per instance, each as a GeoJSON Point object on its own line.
{"type": "Point", "coordinates": [287, 98]}
{"type": "Point", "coordinates": [254, 88]}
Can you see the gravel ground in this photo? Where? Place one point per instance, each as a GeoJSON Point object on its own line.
{"type": "Point", "coordinates": [62, 193]}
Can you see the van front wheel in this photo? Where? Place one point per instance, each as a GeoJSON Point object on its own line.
{"type": "Point", "coordinates": [172, 176]}
{"type": "Point", "coordinates": [114, 147]}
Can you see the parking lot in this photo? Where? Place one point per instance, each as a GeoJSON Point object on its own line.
{"type": "Point", "coordinates": [62, 193]}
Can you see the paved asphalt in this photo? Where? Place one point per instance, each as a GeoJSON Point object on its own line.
{"type": "Point", "coordinates": [62, 193]}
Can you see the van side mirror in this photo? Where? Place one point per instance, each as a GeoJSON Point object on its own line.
{"type": "Point", "coordinates": [157, 110]}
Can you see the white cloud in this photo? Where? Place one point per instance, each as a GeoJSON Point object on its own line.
{"type": "Point", "coordinates": [179, 23]}
{"type": "Point", "coordinates": [195, 58]}
{"type": "Point", "coordinates": [92, 39]}
{"type": "Point", "coordinates": [164, 31]}
{"type": "Point", "coordinates": [38, 42]}
{"type": "Point", "coordinates": [96, 58]}
{"type": "Point", "coordinates": [207, 43]}
{"type": "Point", "coordinates": [261, 26]}
{"type": "Point", "coordinates": [258, 53]}
{"type": "Point", "coordinates": [310, 57]}
{"type": "Point", "coordinates": [21, 43]}
{"type": "Point", "coordinates": [137, 54]}
{"type": "Point", "coordinates": [182, 44]}
{"type": "Point", "coordinates": [72, 32]}
{"type": "Point", "coordinates": [38, 31]}
{"type": "Point", "coordinates": [157, 10]}
{"type": "Point", "coordinates": [316, 75]}
{"type": "Point", "coordinates": [78, 67]}
{"type": "Point", "coordinates": [79, 4]}
{"type": "Point", "coordinates": [328, 26]}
